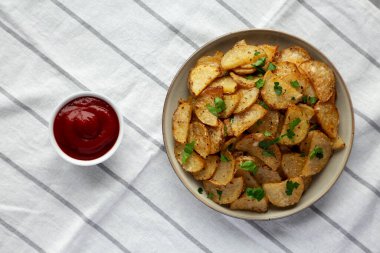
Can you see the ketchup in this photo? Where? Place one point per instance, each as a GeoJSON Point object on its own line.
{"type": "Point", "coordinates": [86, 128]}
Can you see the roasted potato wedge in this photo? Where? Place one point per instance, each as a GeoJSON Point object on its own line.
{"type": "Point", "coordinates": [247, 98]}
{"type": "Point", "coordinates": [231, 101]}
{"type": "Point", "coordinates": [319, 153]}
{"type": "Point", "coordinates": [294, 54]}
{"type": "Point", "coordinates": [269, 124]}
{"type": "Point", "coordinates": [227, 83]}
{"type": "Point", "coordinates": [194, 163]}
{"type": "Point", "coordinates": [211, 163]}
{"type": "Point", "coordinates": [328, 117]}
{"type": "Point", "coordinates": [200, 105]}
{"type": "Point", "coordinates": [266, 175]}
{"type": "Point", "coordinates": [199, 133]}
{"type": "Point", "coordinates": [322, 78]}
{"type": "Point", "coordinates": [241, 54]}
{"type": "Point", "coordinates": [201, 76]}
{"type": "Point", "coordinates": [225, 194]}
{"type": "Point", "coordinates": [292, 164]}
{"type": "Point", "coordinates": [271, 156]}
{"type": "Point", "coordinates": [270, 51]}
{"type": "Point", "coordinates": [243, 82]}
{"type": "Point", "coordinates": [228, 127]}
{"type": "Point", "coordinates": [307, 110]}
{"type": "Point", "coordinates": [307, 182]}
{"type": "Point", "coordinates": [279, 94]}
{"type": "Point", "coordinates": [249, 180]}
{"type": "Point", "coordinates": [277, 192]}
{"type": "Point", "coordinates": [216, 135]}
{"type": "Point", "coordinates": [298, 131]}
{"type": "Point", "coordinates": [246, 119]}
{"type": "Point", "coordinates": [225, 171]}
{"type": "Point", "coordinates": [181, 121]}
{"type": "Point", "coordinates": [337, 143]}
{"type": "Point", "coordinates": [251, 204]}
{"type": "Point", "coordinates": [230, 144]}
{"type": "Point", "coordinates": [212, 60]}
{"type": "Point", "coordinates": [244, 71]}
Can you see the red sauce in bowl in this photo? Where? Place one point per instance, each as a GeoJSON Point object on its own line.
{"type": "Point", "coordinates": [86, 128]}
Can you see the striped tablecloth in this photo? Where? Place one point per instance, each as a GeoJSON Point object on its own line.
{"type": "Point", "coordinates": [130, 50]}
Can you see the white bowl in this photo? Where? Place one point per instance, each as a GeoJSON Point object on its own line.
{"type": "Point", "coordinates": [101, 158]}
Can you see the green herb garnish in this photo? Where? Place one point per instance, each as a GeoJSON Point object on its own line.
{"type": "Point", "coordinates": [249, 166]}
{"type": "Point", "coordinates": [265, 144]}
{"type": "Point", "coordinates": [310, 100]}
{"type": "Point", "coordinates": [277, 88]}
{"type": "Point", "coordinates": [260, 62]}
{"type": "Point", "coordinates": [271, 66]}
{"type": "Point", "coordinates": [264, 105]}
{"type": "Point", "coordinates": [210, 195]}
{"type": "Point", "coordinates": [187, 151]}
{"type": "Point", "coordinates": [260, 83]}
{"type": "Point", "coordinates": [249, 77]}
{"type": "Point", "coordinates": [256, 53]}
{"type": "Point", "coordinates": [223, 158]}
{"type": "Point", "coordinates": [317, 152]}
{"type": "Point", "coordinates": [218, 108]}
{"type": "Point", "coordinates": [295, 84]}
{"type": "Point", "coordinates": [219, 193]}
{"type": "Point", "coordinates": [290, 186]}
{"type": "Point", "coordinates": [255, 193]}
{"type": "Point", "coordinates": [268, 153]}
{"type": "Point", "coordinates": [267, 133]}
{"type": "Point", "coordinates": [200, 190]}
{"type": "Point", "coordinates": [290, 131]}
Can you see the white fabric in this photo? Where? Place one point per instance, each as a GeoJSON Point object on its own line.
{"type": "Point", "coordinates": [130, 51]}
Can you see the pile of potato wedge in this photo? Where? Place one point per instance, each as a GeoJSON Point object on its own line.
{"type": "Point", "coordinates": [259, 123]}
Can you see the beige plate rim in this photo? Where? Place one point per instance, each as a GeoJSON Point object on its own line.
{"type": "Point", "coordinates": [221, 209]}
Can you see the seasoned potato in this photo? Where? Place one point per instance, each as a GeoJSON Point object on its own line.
{"type": "Point", "coordinates": [225, 171]}
{"type": "Point", "coordinates": [322, 78]}
{"type": "Point", "coordinates": [249, 180]}
{"type": "Point", "coordinates": [230, 144]}
{"type": "Point", "coordinates": [307, 110]}
{"type": "Point", "coordinates": [294, 54]}
{"type": "Point", "coordinates": [270, 51]}
{"type": "Point", "coordinates": [307, 182]}
{"type": "Point", "coordinates": [247, 98]}
{"type": "Point", "coordinates": [231, 101]}
{"type": "Point", "coordinates": [279, 94]}
{"type": "Point", "coordinates": [212, 60]}
{"type": "Point", "coordinates": [225, 194]}
{"type": "Point", "coordinates": [319, 153]}
{"type": "Point", "coordinates": [269, 123]}
{"type": "Point", "coordinates": [277, 192]}
{"type": "Point", "coordinates": [216, 135]}
{"type": "Point", "coordinates": [337, 143]}
{"type": "Point", "coordinates": [201, 76]}
{"type": "Point", "coordinates": [244, 82]}
{"type": "Point", "coordinates": [271, 157]}
{"type": "Point", "coordinates": [212, 162]}
{"type": "Point", "coordinates": [251, 204]}
{"type": "Point", "coordinates": [305, 144]}
{"type": "Point", "coordinates": [199, 133]}
{"type": "Point", "coordinates": [266, 175]}
{"type": "Point", "coordinates": [244, 71]}
{"type": "Point", "coordinates": [227, 83]}
{"type": "Point", "coordinates": [194, 163]}
{"type": "Point", "coordinates": [241, 54]}
{"type": "Point", "coordinates": [298, 132]}
{"type": "Point", "coordinates": [200, 105]}
{"type": "Point", "coordinates": [228, 127]}
{"type": "Point", "coordinates": [245, 120]}
{"type": "Point", "coordinates": [328, 117]}
{"type": "Point", "coordinates": [292, 164]}
{"type": "Point", "coordinates": [181, 121]}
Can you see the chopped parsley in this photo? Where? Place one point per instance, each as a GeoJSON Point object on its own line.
{"type": "Point", "coordinates": [290, 131]}
{"type": "Point", "coordinates": [310, 100]}
{"type": "Point", "coordinates": [271, 66]}
{"type": "Point", "coordinates": [293, 98]}
{"type": "Point", "coordinates": [210, 195]}
{"type": "Point", "coordinates": [218, 108]}
{"type": "Point", "coordinates": [200, 190]}
{"type": "Point", "coordinates": [255, 193]}
{"type": "Point", "coordinates": [290, 186]}
{"type": "Point", "coordinates": [317, 152]}
{"type": "Point", "coordinates": [277, 88]}
{"type": "Point", "coordinates": [249, 77]}
{"type": "Point", "coordinates": [249, 166]}
{"type": "Point", "coordinates": [264, 105]}
{"type": "Point", "coordinates": [260, 83]}
{"type": "Point", "coordinates": [265, 144]}
{"type": "Point", "coordinates": [219, 193]}
{"type": "Point", "coordinates": [268, 153]}
{"type": "Point", "coordinates": [295, 84]}
{"type": "Point", "coordinates": [267, 133]}
{"type": "Point", "coordinates": [260, 62]}
{"type": "Point", "coordinates": [260, 71]}
{"type": "Point", "coordinates": [257, 53]}
{"type": "Point", "coordinates": [223, 158]}
{"type": "Point", "coordinates": [187, 151]}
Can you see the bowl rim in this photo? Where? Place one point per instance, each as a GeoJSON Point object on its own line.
{"type": "Point", "coordinates": [222, 209]}
{"type": "Point", "coordinates": [105, 156]}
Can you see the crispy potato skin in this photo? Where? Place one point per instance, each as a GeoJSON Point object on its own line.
{"type": "Point", "coordinates": [328, 117]}
{"type": "Point", "coordinates": [181, 121]}
{"type": "Point", "coordinates": [251, 204]}
{"type": "Point", "coordinates": [216, 135]}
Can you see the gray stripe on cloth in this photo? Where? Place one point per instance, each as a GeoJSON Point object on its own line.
{"type": "Point", "coordinates": [235, 13]}
{"type": "Point", "coordinates": [21, 236]}
{"type": "Point", "coordinates": [110, 44]}
{"type": "Point", "coordinates": [119, 179]}
{"type": "Point", "coordinates": [64, 202]}
{"type": "Point", "coordinates": [73, 79]}
{"type": "Point", "coordinates": [166, 23]}
{"type": "Point", "coordinates": [368, 119]}
{"type": "Point", "coordinates": [338, 227]}
{"type": "Point", "coordinates": [362, 181]}
{"type": "Point", "coordinates": [339, 33]}
{"type": "Point", "coordinates": [269, 236]}
{"type": "Point", "coordinates": [376, 3]}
